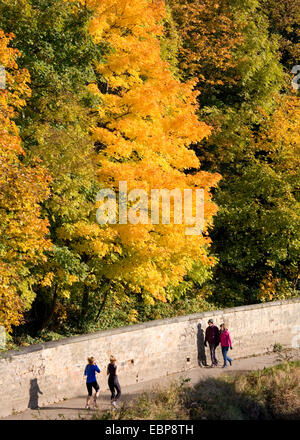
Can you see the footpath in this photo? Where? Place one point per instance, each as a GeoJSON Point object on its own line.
{"type": "Point", "coordinates": [74, 408]}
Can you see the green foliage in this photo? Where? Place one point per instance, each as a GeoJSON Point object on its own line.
{"type": "Point", "coordinates": [239, 51]}
{"type": "Point", "coordinates": [255, 236]}
{"type": "Point", "coordinates": [56, 129]}
{"type": "Point", "coordinates": [277, 348]}
{"type": "Point", "coordinates": [117, 310]}
{"type": "Point", "coordinates": [169, 43]}
{"type": "Point", "coordinates": [256, 232]}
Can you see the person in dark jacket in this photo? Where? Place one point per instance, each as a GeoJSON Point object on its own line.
{"type": "Point", "coordinates": [212, 336]}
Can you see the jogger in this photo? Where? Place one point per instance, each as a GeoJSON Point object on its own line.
{"type": "Point", "coordinates": [113, 381]}
{"type": "Point", "coordinates": [90, 372]}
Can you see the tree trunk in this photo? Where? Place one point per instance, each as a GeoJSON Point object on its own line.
{"type": "Point", "coordinates": [103, 304]}
{"type": "Point", "coordinates": [51, 312]}
{"type": "Point", "coordinates": [85, 302]}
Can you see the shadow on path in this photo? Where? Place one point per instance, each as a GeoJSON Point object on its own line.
{"type": "Point", "coordinates": [34, 392]}
{"type": "Point", "coordinates": [202, 362]}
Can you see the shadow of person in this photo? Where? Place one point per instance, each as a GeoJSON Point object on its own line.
{"type": "Point", "coordinates": [200, 347]}
{"type": "Point", "coordinates": [34, 392]}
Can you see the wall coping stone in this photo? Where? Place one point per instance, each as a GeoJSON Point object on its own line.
{"type": "Point", "coordinates": [136, 327]}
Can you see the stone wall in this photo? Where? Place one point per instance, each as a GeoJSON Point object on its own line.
{"type": "Point", "coordinates": [53, 371]}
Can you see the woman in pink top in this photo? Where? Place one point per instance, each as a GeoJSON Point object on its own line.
{"type": "Point", "coordinates": [225, 344]}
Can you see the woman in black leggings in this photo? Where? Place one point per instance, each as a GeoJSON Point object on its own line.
{"type": "Point", "coordinates": [113, 381]}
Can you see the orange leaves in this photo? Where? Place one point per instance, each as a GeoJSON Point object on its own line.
{"type": "Point", "coordinates": [147, 122]}
{"type": "Point", "coordinates": [22, 231]}
{"type": "Point", "coordinates": [16, 80]}
{"type": "Point", "coordinates": [138, 18]}
{"type": "Point", "coordinates": [11, 306]}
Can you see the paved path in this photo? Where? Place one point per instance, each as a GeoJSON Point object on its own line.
{"type": "Point", "coordinates": [74, 408]}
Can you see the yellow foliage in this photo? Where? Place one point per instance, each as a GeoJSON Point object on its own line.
{"type": "Point", "coordinates": [146, 124]}
{"type": "Point", "coordinates": [22, 231]}
{"type": "Point", "coordinates": [268, 288]}
{"type": "Point", "coordinates": [47, 280]}
{"type": "Point", "coordinates": [133, 315]}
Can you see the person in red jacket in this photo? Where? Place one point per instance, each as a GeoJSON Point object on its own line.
{"type": "Point", "coordinates": [225, 344]}
{"type": "Point", "coordinates": [213, 338]}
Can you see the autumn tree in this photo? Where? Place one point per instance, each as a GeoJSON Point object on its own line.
{"type": "Point", "coordinates": [23, 232]}
{"type": "Point", "coordinates": [146, 124]}
{"type": "Point", "coordinates": [63, 126]}
{"type": "Point", "coordinates": [257, 234]}
{"type": "Point", "coordinates": [56, 129]}
{"type": "Point", "coordinates": [236, 99]}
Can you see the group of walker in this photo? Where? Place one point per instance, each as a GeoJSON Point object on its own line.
{"type": "Point", "coordinates": [213, 336]}
{"type": "Point", "coordinates": [91, 382]}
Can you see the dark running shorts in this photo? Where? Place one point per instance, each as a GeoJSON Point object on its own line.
{"type": "Point", "coordinates": [92, 385]}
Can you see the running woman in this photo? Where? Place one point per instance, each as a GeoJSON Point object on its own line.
{"type": "Point", "coordinates": [91, 382]}
{"type": "Point", "coordinates": [113, 381]}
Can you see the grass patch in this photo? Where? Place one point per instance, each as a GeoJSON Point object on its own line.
{"type": "Point", "coordinates": [268, 394]}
